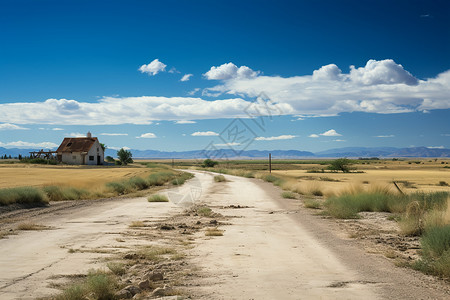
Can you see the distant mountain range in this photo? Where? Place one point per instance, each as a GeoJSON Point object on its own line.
{"type": "Point", "coordinates": [276, 154]}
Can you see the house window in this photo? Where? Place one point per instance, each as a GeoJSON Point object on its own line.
{"type": "Point", "coordinates": [91, 157]}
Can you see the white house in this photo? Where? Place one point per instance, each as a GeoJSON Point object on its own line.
{"type": "Point", "coordinates": [81, 151]}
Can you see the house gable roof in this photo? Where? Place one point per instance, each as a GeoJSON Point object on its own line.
{"type": "Point", "coordinates": [76, 144]}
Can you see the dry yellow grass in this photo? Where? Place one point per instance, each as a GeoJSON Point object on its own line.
{"type": "Point", "coordinates": [417, 179]}
{"type": "Point", "coordinates": [91, 178]}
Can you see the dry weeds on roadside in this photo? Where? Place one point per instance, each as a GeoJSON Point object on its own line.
{"type": "Point", "coordinates": [159, 267]}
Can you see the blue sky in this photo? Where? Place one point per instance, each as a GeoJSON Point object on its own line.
{"type": "Point", "coordinates": [333, 73]}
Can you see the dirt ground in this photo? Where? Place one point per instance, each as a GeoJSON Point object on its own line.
{"type": "Point", "coordinates": [266, 247]}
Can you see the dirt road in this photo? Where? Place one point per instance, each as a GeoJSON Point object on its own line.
{"type": "Point", "coordinates": [271, 249]}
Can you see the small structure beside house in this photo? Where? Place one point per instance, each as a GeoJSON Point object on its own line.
{"type": "Point", "coordinates": [81, 151]}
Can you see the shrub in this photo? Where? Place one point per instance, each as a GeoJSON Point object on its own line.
{"type": "Point", "coordinates": [137, 183]}
{"type": "Point", "coordinates": [219, 178]}
{"type": "Point", "coordinates": [110, 159]}
{"type": "Point", "coordinates": [159, 178]}
{"type": "Point", "coordinates": [288, 195]}
{"type": "Point", "coordinates": [57, 193]}
{"type": "Point", "coordinates": [312, 203]}
{"type": "Point", "coordinates": [22, 195]}
{"type": "Point", "coordinates": [157, 198]}
{"type": "Point", "coordinates": [209, 163]}
{"type": "Point", "coordinates": [204, 211]}
{"type": "Point", "coordinates": [117, 268]}
{"type": "Point", "coordinates": [340, 164]}
{"type": "Point", "coordinates": [213, 232]}
{"type": "Point", "coordinates": [101, 285]}
{"type": "Point", "coordinates": [117, 187]}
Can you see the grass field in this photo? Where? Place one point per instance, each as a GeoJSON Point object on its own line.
{"type": "Point", "coordinates": [73, 176]}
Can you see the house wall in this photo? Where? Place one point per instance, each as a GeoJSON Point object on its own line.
{"type": "Point", "coordinates": [96, 150]}
{"type": "Point", "coordinates": [73, 158]}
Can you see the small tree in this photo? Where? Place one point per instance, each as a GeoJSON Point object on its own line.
{"type": "Point", "coordinates": [103, 146]}
{"type": "Point", "coordinates": [340, 164]}
{"type": "Point", "coordinates": [124, 156]}
{"type": "Point", "coordinates": [209, 163]}
{"type": "Point", "coordinates": [109, 159]}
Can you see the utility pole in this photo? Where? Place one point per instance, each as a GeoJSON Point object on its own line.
{"type": "Point", "coordinates": [270, 162]}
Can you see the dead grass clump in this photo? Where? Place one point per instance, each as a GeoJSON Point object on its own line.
{"type": "Point", "coordinates": [157, 198]}
{"type": "Point", "coordinates": [204, 211]}
{"type": "Point", "coordinates": [219, 178]}
{"type": "Point", "coordinates": [117, 268]}
{"type": "Point", "coordinates": [213, 232]}
{"type": "Point", "coordinates": [31, 226]}
{"type": "Point", "coordinates": [155, 253]}
{"type": "Point", "coordinates": [135, 224]}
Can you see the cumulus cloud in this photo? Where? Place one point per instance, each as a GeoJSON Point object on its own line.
{"type": "Point", "coordinates": [328, 72]}
{"type": "Point", "coordinates": [148, 135]}
{"type": "Point", "coordinates": [381, 72]}
{"type": "Point", "coordinates": [275, 138]}
{"type": "Point", "coordinates": [186, 77]}
{"type": "Point", "coordinates": [379, 87]}
{"type": "Point", "coordinates": [153, 68]}
{"type": "Point", "coordinates": [313, 135]}
{"type": "Point", "coordinates": [325, 93]}
{"type": "Point", "coordinates": [8, 126]}
{"type": "Point", "coordinates": [205, 133]}
{"type": "Point", "coordinates": [118, 148]}
{"type": "Point", "coordinates": [114, 134]}
{"type": "Point", "coordinates": [21, 144]}
{"type": "Point", "coordinates": [330, 132]}
{"type": "Point", "coordinates": [229, 71]}
{"type": "Point", "coordinates": [185, 122]}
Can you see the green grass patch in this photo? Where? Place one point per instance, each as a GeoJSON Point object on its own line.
{"type": "Point", "coordinates": [435, 258]}
{"type": "Point", "coordinates": [22, 195]}
{"type": "Point", "coordinates": [58, 193]}
{"type": "Point", "coordinates": [288, 195]}
{"type": "Point", "coordinates": [312, 203]}
{"type": "Point", "coordinates": [157, 198]}
{"type": "Point", "coordinates": [204, 211]}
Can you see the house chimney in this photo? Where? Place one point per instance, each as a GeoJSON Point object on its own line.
{"type": "Point", "coordinates": [89, 134]}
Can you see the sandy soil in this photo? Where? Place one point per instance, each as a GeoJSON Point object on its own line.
{"type": "Point", "coordinates": [272, 248]}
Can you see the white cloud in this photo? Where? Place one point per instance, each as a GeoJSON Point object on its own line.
{"type": "Point", "coordinates": [229, 71]}
{"type": "Point", "coordinates": [385, 136]}
{"type": "Point", "coordinates": [114, 134]}
{"type": "Point", "coordinates": [153, 68]}
{"type": "Point", "coordinates": [8, 126]}
{"type": "Point", "coordinates": [185, 122]}
{"type": "Point", "coordinates": [301, 96]}
{"type": "Point", "coordinates": [148, 135]}
{"type": "Point", "coordinates": [173, 70]}
{"type": "Point", "coordinates": [330, 132]}
{"type": "Point", "coordinates": [227, 144]}
{"type": "Point", "coordinates": [436, 147]}
{"type": "Point", "coordinates": [381, 72]}
{"type": "Point", "coordinates": [313, 135]}
{"type": "Point", "coordinates": [186, 77]}
{"type": "Point", "coordinates": [338, 140]}
{"type": "Point", "coordinates": [21, 144]}
{"type": "Point", "coordinates": [378, 87]}
{"type": "Point", "coordinates": [205, 133]}
{"type": "Point", "coordinates": [77, 134]}
{"type": "Point", "coordinates": [194, 91]}
{"type": "Point", "coordinates": [57, 129]}
{"type": "Point", "coordinates": [275, 138]}
{"type": "Point", "coordinates": [118, 148]}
